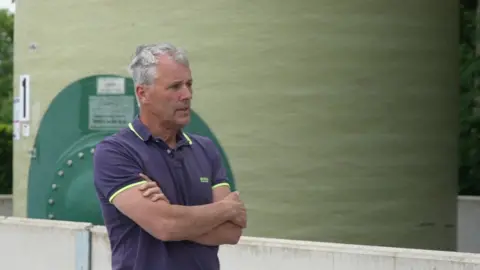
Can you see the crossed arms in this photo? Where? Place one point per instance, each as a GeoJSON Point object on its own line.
{"type": "Point", "coordinates": [117, 177]}
{"type": "Point", "coordinates": [220, 222]}
{"type": "Point", "coordinates": [228, 232]}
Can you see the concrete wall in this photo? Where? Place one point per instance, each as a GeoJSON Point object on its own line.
{"type": "Point", "coordinates": [468, 238]}
{"type": "Point", "coordinates": [28, 244]}
{"type": "Point", "coordinates": [258, 253]}
{"type": "Point", "coordinates": [100, 248]}
{"type": "Point", "coordinates": [6, 206]}
{"type": "Point", "coordinates": [43, 244]}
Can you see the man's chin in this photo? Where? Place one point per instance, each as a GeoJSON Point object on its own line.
{"type": "Point", "coordinates": [183, 121]}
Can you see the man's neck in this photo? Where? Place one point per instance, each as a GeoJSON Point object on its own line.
{"type": "Point", "coordinates": [159, 129]}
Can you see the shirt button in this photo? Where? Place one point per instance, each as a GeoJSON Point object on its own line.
{"type": "Point", "coordinates": [169, 151]}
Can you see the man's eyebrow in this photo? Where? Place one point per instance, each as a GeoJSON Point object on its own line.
{"type": "Point", "coordinates": [176, 83]}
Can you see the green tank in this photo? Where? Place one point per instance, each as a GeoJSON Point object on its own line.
{"type": "Point", "coordinates": [79, 117]}
{"type": "Point", "coordinates": [338, 118]}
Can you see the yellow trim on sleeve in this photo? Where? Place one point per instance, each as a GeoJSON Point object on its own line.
{"type": "Point", "coordinates": [221, 185]}
{"type": "Point", "coordinates": [123, 189]}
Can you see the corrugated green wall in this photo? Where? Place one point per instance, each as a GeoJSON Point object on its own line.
{"type": "Point", "coordinates": [339, 117]}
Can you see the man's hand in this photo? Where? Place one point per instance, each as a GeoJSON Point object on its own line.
{"type": "Point", "coordinates": [151, 190]}
{"type": "Point", "coordinates": [240, 217]}
{"type": "Point", "coordinates": [228, 232]}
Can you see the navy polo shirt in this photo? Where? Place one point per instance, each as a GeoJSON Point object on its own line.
{"type": "Point", "coordinates": [186, 175]}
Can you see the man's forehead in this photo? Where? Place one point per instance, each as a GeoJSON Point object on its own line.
{"type": "Point", "coordinates": [165, 58]}
{"type": "Point", "coordinates": [169, 68]}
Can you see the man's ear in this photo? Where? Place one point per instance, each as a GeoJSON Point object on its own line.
{"type": "Point", "coordinates": [140, 91]}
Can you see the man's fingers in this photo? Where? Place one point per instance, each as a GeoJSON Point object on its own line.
{"type": "Point", "coordinates": [151, 191]}
{"type": "Point", "coordinates": [235, 196]}
{"type": "Point", "coordinates": [155, 197]}
{"type": "Point", "coordinates": [241, 222]}
{"type": "Point", "coordinates": [158, 197]}
{"type": "Point", "coordinates": [148, 185]}
{"type": "Point", "coordinates": [241, 218]}
{"type": "Point", "coordinates": [145, 177]}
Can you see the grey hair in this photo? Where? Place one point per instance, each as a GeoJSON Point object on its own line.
{"type": "Point", "coordinates": [143, 67]}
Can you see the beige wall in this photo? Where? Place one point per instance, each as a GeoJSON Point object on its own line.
{"type": "Point", "coordinates": [320, 105]}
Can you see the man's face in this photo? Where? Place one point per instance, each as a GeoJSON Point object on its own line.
{"type": "Point", "coordinates": [170, 96]}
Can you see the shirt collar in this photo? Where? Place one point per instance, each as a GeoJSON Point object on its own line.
{"type": "Point", "coordinates": [144, 134]}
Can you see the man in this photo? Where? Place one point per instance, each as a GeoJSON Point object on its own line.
{"type": "Point", "coordinates": [183, 228]}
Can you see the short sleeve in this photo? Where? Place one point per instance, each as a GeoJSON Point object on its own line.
{"type": "Point", "coordinates": [114, 170]}
{"type": "Point", "coordinates": [219, 172]}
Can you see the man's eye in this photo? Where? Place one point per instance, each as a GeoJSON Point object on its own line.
{"type": "Point", "coordinates": [175, 86]}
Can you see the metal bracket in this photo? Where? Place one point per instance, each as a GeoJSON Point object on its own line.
{"type": "Point", "coordinates": [33, 153]}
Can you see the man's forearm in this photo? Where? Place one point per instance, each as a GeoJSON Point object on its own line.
{"type": "Point", "coordinates": [226, 233]}
{"type": "Point", "coordinates": [188, 222]}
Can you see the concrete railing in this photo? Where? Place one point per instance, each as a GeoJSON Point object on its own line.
{"type": "Point", "coordinates": [43, 244]}
{"type": "Point", "coordinates": [468, 224]}
{"type": "Point", "coordinates": [46, 244]}
{"type": "Point", "coordinates": [6, 205]}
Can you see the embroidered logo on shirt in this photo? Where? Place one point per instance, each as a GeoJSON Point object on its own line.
{"type": "Point", "coordinates": [204, 179]}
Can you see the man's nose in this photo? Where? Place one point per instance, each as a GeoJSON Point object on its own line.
{"type": "Point", "coordinates": [186, 93]}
